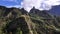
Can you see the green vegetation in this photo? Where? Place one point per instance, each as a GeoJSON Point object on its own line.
{"type": "Point", "coordinates": [18, 21]}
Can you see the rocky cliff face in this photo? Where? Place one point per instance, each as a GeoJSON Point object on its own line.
{"type": "Point", "coordinates": [19, 21]}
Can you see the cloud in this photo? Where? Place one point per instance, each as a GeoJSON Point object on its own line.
{"type": "Point", "coordinates": [39, 4]}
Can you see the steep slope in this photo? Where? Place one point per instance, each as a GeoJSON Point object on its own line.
{"type": "Point", "coordinates": [19, 21]}
{"type": "Point", "coordinates": [49, 22]}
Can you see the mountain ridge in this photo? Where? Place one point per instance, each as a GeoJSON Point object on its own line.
{"type": "Point", "coordinates": [19, 21]}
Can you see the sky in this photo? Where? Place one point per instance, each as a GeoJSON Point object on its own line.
{"type": "Point", "coordinates": [28, 4]}
{"type": "Point", "coordinates": [10, 3]}
{"type": "Point", "coordinates": [38, 4]}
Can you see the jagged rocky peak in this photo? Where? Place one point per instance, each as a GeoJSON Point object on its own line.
{"type": "Point", "coordinates": [34, 10]}
{"type": "Point", "coordinates": [44, 13]}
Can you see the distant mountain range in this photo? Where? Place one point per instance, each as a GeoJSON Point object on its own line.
{"type": "Point", "coordinates": [55, 10]}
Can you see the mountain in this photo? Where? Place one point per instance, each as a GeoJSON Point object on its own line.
{"type": "Point", "coordinates": [19, 21]}
{"type": "Point", "coordinates": [55, 10]}
{"type": "Point", "coordinates": [44, 13]}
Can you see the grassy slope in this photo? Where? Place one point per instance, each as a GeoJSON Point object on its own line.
{"type": "Point", "coordinates": [35, 24]}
